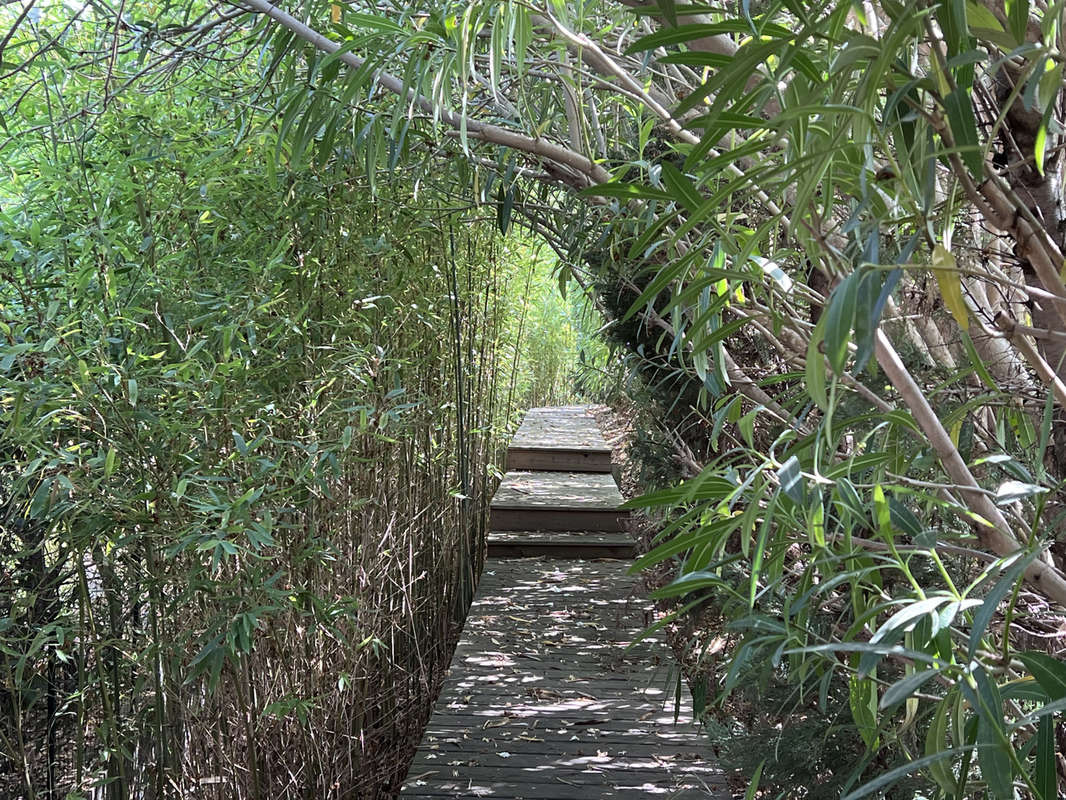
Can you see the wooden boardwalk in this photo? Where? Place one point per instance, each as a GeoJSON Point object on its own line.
{"type": "Point", "coordinates": [547, 695]}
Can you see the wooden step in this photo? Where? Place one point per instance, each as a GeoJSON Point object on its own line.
{"type": "Point", "coordinates": [563, 439]}
{"type": "Point", "coordinates": [561, 544]}
{"type": "Point", "coordinates": [557, 501]}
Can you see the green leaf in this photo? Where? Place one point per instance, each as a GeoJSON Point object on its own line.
{"type": "Point", "coordinates": [1049, 672]}
{"type": "Point", "coordinates": [109, 461]}
{"type": "Point", "coordinates": [934, 745]}
{"type": "Point", "coordinates": [840, 315]}
{"type": "Point", "coordinates": [893, 775]}
{"type": "Point", "coordinates": [963, 124]}
{"type": "Point", "coordinates": [1018, 18]}
{"type": "Point", "coordinates": [862, 697]}
{"type": "Point", "coordinates": [753, 786]}
{"type": "Point", "coordinates": [1047, 779]}
{"type": "Point", "coordinates": [816, 520]}
{"type": "Point", "coordinates": [992, 757]}
{"type": "Point", "coordinates": [995, 596]}
{"type": "Point", "coordinates": [681, 187]}
{"type": "Point", "coordinates": [504, 205]}
{"type": "Point", "coordinates": [1040, 147]}
{"type": "Point", "coordinates": [690, 582]}
{"type": "Point", "coordinates": [978, 364]}
{"type": "Point", "coordinates": [1049, 87]}
{"type": "Point", "coordinates": [694, 58]}
{"type": "Point", "coordinates": [980, 17]}
{"type": "Point", "coordinates": [907, 617]}
{"type": "Point", "coordinates": [882, 513]}
{"type": "Point", "coordinates": [626, 191]}
{"type": "Point", "coordinates": [905, 687]}
{"type": "Point", "coordinates": [814, 371]}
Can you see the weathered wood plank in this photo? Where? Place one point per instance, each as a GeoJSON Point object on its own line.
{"type": "Point", "coordinates": [511, 519]}
{"type": "Point", "coordinates": [564, 439]}
{"type": "Point", "coordinates": [569, 789]}
{"type": "Point", "coordinates": [565, 427]}
{"type": "Point", "coordinates": [557, 490]}
{"type": "Point", "coordinates": [545, 700]}
{"type": "Point", "coordinates": [558, 459]}
{"type": "Point", "coordinates": [561, 544]}
{"type": "Point", "coordinates": [557, 501]}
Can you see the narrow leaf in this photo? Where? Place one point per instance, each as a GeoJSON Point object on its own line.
{"type": "Point", "coordinates": [904, 688]}
{"type": "Point", "coordinates": [959, 108]}
{"type": "Point", "coordinates": [993, 599]}
{"type": "Point", "coordinates": [839, 318]}
{"type": "Point", "coordinates": [1047, 781]}
{"type": "Point", "coordinates": [791, 479]}
{"type": "Point", "coordinates": [992, 757]}
{"type": "Point", "coordinates": [1049, 672]}
{"type": "Point", "coordinates": [950, 284]}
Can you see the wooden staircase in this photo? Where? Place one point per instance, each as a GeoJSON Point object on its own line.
{"type": "Point", "coordinates": [559, 497]}
{"type": "Point", "coordinates": [556, 690]}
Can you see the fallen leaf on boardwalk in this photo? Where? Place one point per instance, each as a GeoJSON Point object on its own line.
{"type": "Point", "coordinates": [495, 723]}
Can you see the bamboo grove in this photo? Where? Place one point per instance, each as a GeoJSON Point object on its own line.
{"type": "Point", "coordinates": [250, 411]}
{"type": "Point", "coordinates": [826, 241]}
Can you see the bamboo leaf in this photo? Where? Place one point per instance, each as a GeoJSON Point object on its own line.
{"type": "Point", "coordinates": [1049, 672]}
{"type": "Point", "coordinates": [893, 775]}
{"type": "Point", "coordinates": [862, 697]}
{"type": "Point", "coordinates": [791, 480]}
{"type": "Point", "coordinates": [905, 687]}
{"type": "Point", "coordinates": [963, 123]}
{"type": "Point", "coordinates": [1013, 491]}
{"type": "Point", "coordinates": [950, 284]}
{"type": "Point", "coordinates": [1047, 780]}
{"type": "Point", "coordinates": [995, 763]}
{"type": "Point", "coordinates": [681, 187]}
{"type": "Point", "coordinates": [627, 191]}
{"type": "Point", "coordinates": [815, 367]}
{"type": "Point", "coordinates": [994, 597]}
{"type": "Point", "coordinates": [1018, 18]}
{"type": "Point", "coordinates": [840, 315]}
{"type": "Point", "coordinates": [934, 745]}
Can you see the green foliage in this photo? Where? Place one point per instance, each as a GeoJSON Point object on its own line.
{"type": "Point", "coordinates": [545, 324]}
{"type": "Point", "coordinates": [767, 196]}
{"type": "Point", "coordinates": [248, 415]}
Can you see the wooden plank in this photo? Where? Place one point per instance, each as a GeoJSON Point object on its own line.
{"type": "Point", "coordinates": [563, 427]}
{"type": "Point", "coordinates": [579, 491]}
{"type": "Point", "coordinates": [560, 544]}
{"type": "Point", "coordinates": [546, 700]}
{"type": "Point", "coordinates": [511, 519]}
{"type": "Point", "coordinates": [557, 501]}
{"type": "Point", "coordinates": [558, 459]}
{"type": "Point", "coordinates": [565, 789]}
